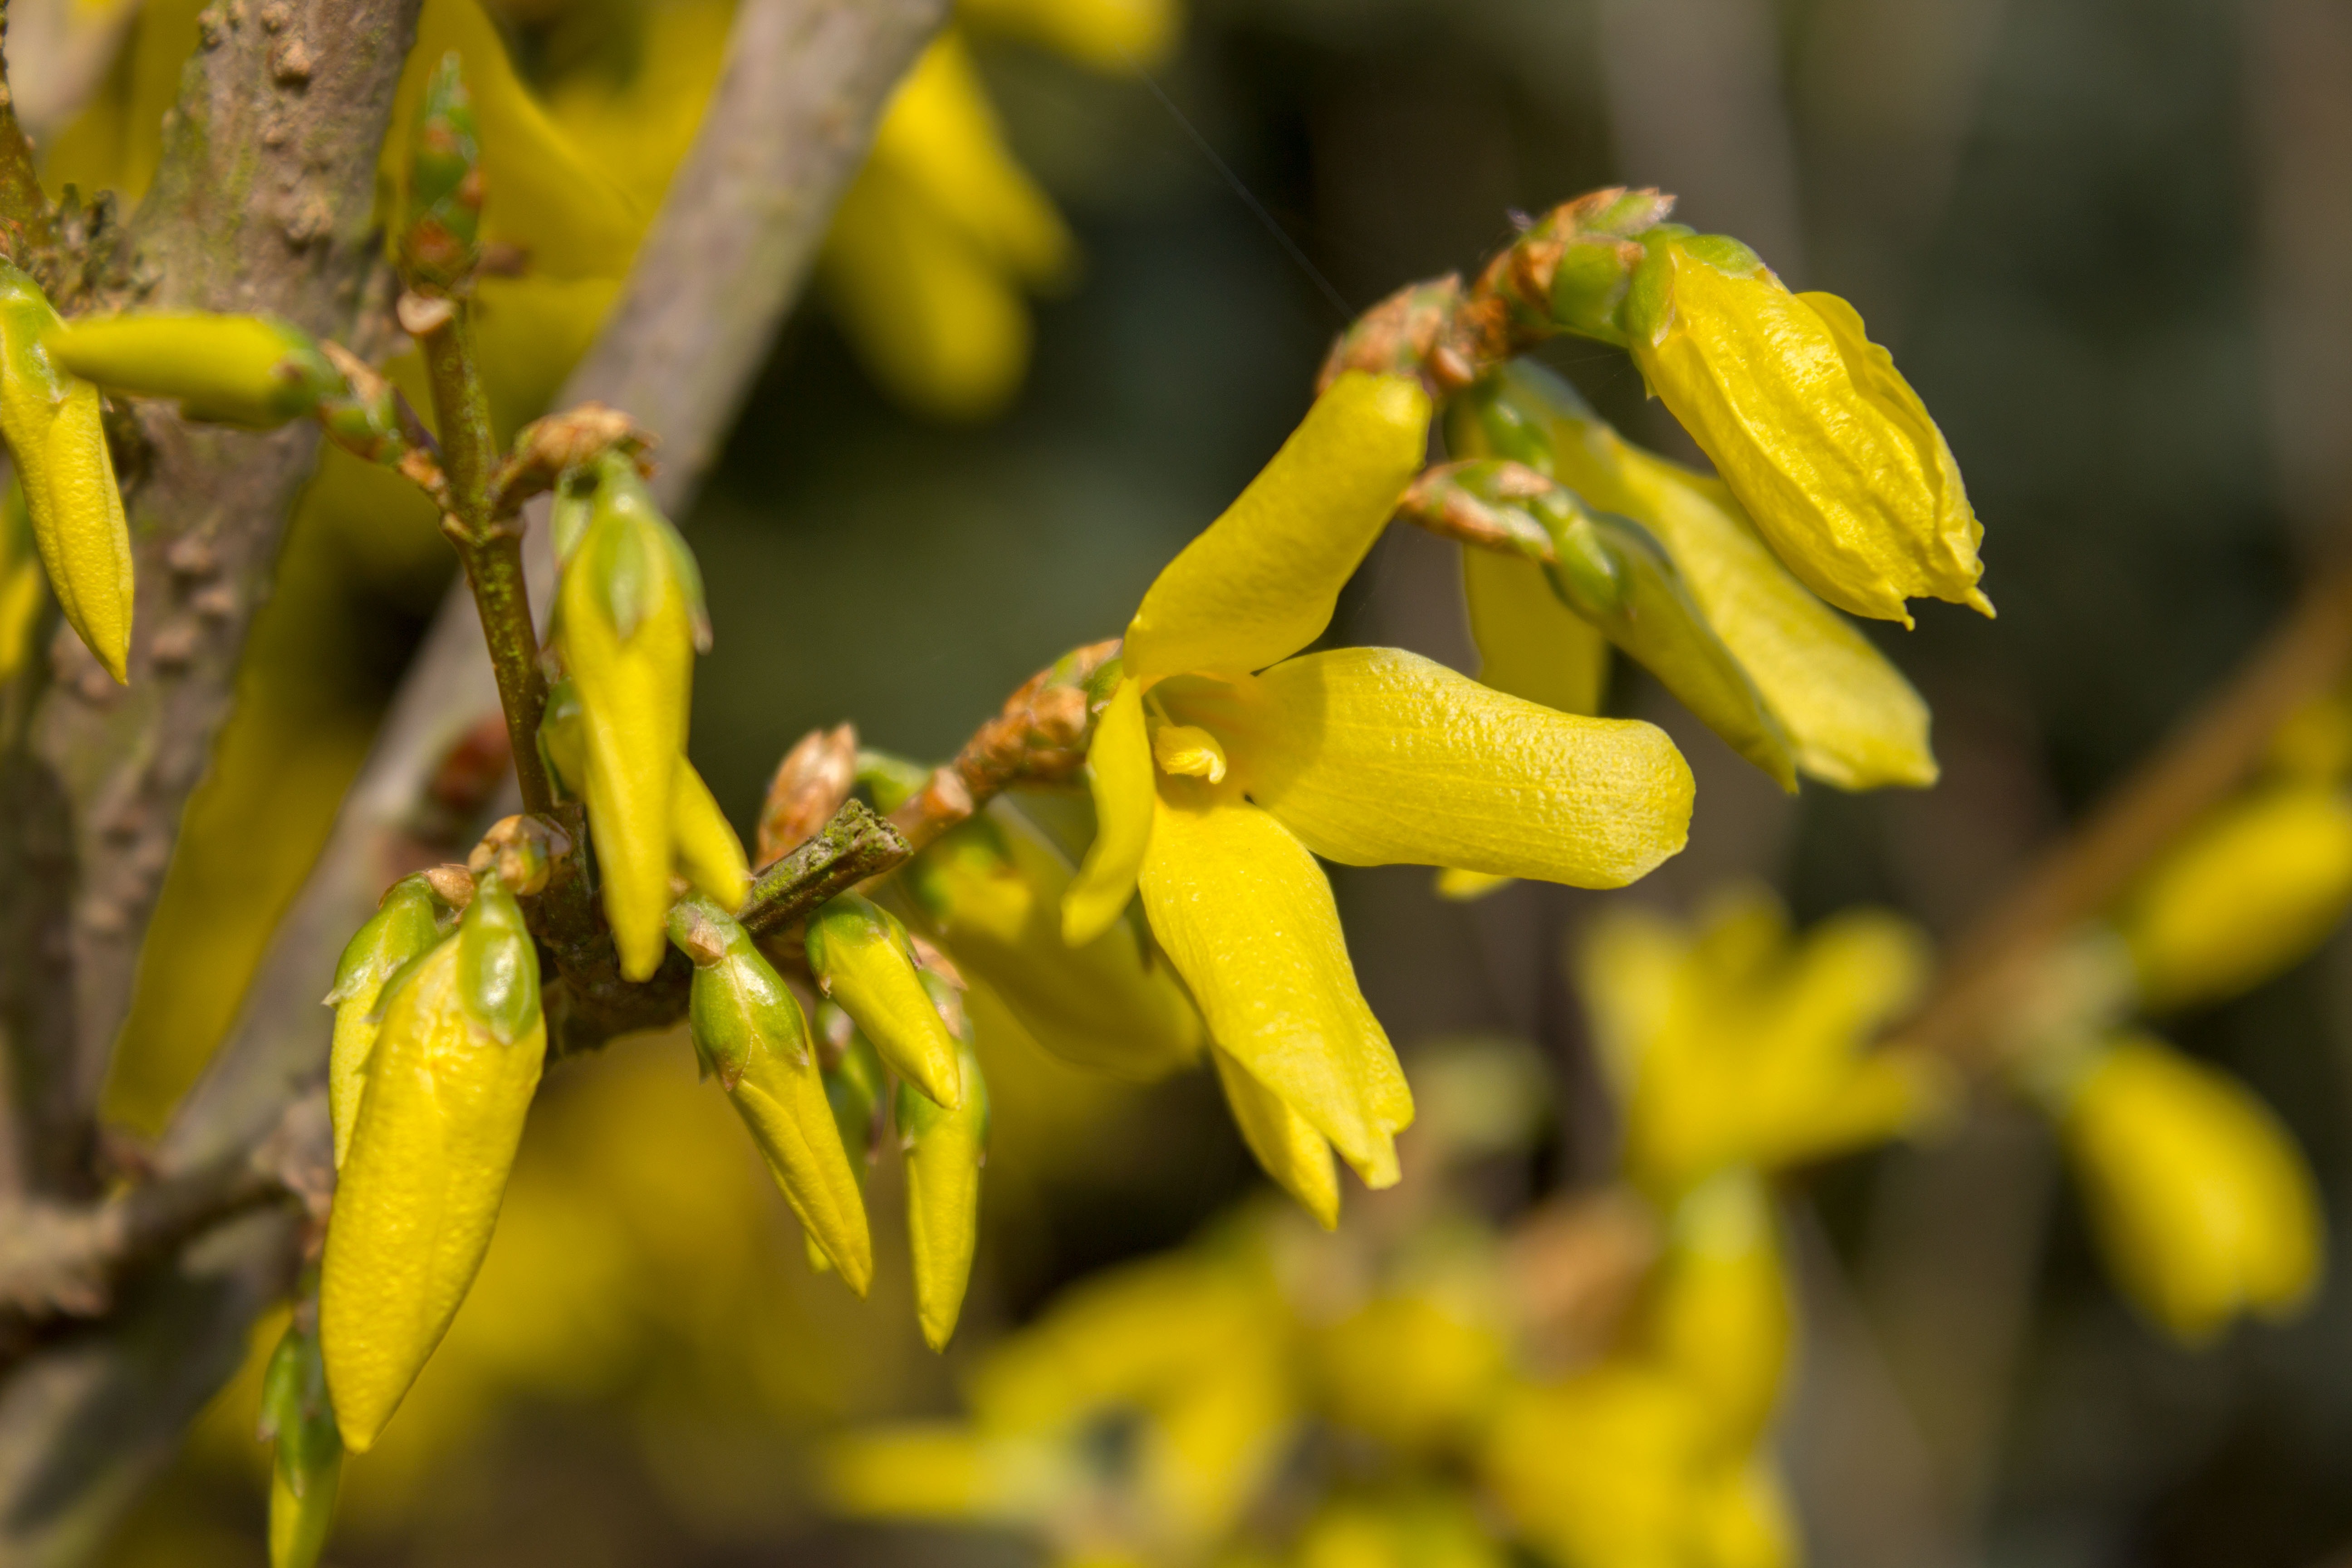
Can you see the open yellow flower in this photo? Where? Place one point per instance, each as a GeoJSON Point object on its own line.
{"type": "Point", "coordinates": [1732, 1044]}
{"type": "Point", "coordinates": [1809, 424]}
{"type": "Point", "coordinates": [1222, 766]}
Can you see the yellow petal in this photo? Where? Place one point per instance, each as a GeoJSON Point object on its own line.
{"type": "Point", "coordinates": [1290, 1151]}
{"type": "Point", "coordinates": [1119, 775]}
{"type": "Point", "coordinates": [941, 136]}
{"type": "Point", "coordinates": [1529, 644]}
{"type": "Point", "coordinates": [707, 851]}
{"type": "Point", "coordinates": [1246, 916]}
{"type": "Point", "coordinates": [1811, 427]}
{"type": "Point", "coordinates": [2251, 891]}
{"type": "Point", "coordinates": [2201, 1201]}
{"type": "Point", "coordinates": [1719, 1313]}
{"type": "Point", "coordinates": [1464, 886]}
{"type": "Point", "coordinates": [931, 317]}
{"type": "Point", "coordinates": [1260, 583]}
{"type": "Point", "coordinates": [1376, 756]}
{"type": "Point", "coordinates": [418, 1193]}
{"type": "Point", "coordinates": [993, 891]}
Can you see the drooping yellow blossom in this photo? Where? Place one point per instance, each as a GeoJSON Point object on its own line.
{"type": "Point", "coordinates": [1218, 779]}
{"type": "Point", "coordinates": [451, 1078]}
{"type": "Point", "coordinates": [935, 242]}
{"type": "Point", "coordinates": [1730, 1044]}
{"type": "Point", "coordinates": [1719, 1315]}
{"type": "Point", "coordinates": [990, 890]}
{"type": "Point", "coordinates": [629, 618]}
{"type": "Point", "coordinates": [49, 418]}
{"type": "Point", "coordinates": [404, 927]}
{"type": "Point", "coordinates": [2249, 891]}
{"type": "Point", "coordinates": [1809, 423]}
{"type": "Point", "coordinates": [865, 965]}
{"type": "Point", "coordinates": [749, 1031]}
{"type": "Point", "coordinates": [2202, 1202]}
{"type": "Point", "coordinates": [1852, 718]}
{"type": "Point", "coordinates": [945, 1149]}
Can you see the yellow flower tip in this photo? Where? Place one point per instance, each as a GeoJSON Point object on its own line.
{"type": "Point", "coordinates": [1189, 752]}
{"type": "Point", "coordinates": [1978, 602]}
{"type": "Point", "coordinates": [1464, 886]}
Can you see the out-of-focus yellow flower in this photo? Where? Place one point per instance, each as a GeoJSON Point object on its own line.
{"type": "Point", "coordinates": [21, 579]}
{"type": "Point", "coordinates": [2252, 891]}
{"type": "Point", "coordinates": [990, 890]}
{"type": "Point", "coordinates": [2202, 1204]}
{"type": "Point", "coordinates": [1432, 1529]}
{"type": "Point", "coordinates": [1744, 1518]}
{"type": "Point", "coordinates": [2314, 745]}
{"type": "Point", "coordinates": [1719, 1315]}
{"type": "Point", "coordinates": [1214, 786]}
{"type": "Point", "coordinates": [1411, 1370]}
{"type": "Point", "coordinates": [1730, 1044]}
{"type": "Point", "coordinates": [1809, 424]}
{"type": "Point", "coordinates": [935, 242]}
{"type": "Point", "coordinates": [1602, 1470]}
{"type": "Point", "coordinates": [1852, 719]}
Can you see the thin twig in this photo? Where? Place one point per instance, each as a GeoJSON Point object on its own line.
{"type": "Point", "coordinates": [855, 845]}
{"type": "Point", "coordinates": [1039, 736]}
{"type": "Point", "coordinates": [25, 225]}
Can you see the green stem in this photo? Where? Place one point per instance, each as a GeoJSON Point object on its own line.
{"type": "Point", "coordinates": [490, 547]}
{"type": "Point", "coordinates": [25, 225]}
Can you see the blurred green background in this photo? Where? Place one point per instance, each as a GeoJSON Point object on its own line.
{"type": "Point", "coordinates": [2106, 240]}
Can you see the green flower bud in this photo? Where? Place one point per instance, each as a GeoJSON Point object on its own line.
{"type": "Point", "coordinates": [628, 617]}
{"type": "Point", "coordinates": [50, 421]}
{"type": "Point", "coordinates": [308, 1468]}
{"type": "Point", "coordinates": [251, 371]}
{"type": "Point", "coordinates": [991, 889]}
{"type": "Point", "coordinates": [749, 1031]}
{"type": "Point", "coordinates": [444, 214]}
{"type": "Point", "coordinates": [864, 962]}
{"type": "Point", "coordinates": [21, 593]}
{"type": "Point", "coordinates": [405, 926]}
{"type": "Point", "coordinates": [498, 964]}
{"type": "Point", "coordinates": [563, 737]}
{"type": "Point", "coordinates": [945, 1149]}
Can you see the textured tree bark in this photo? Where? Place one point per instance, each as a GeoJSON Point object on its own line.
{"type": "Point", "coordinates": [264, 200]}
{"type": "Point", "coordinates": [95, 1410]}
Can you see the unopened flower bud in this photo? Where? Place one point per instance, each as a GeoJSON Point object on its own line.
{"type": "Point", "coordinates": [50, 421]}
{"type": "Point", "coordinates": [708, 854]}
{"type": "Point", "coordinates": [2200, 1202]}
{"type": "Point", "coordinates": [863, 962]}
{"type": "Point", "coordinates": [629, 618]}
{"type": "Point", "coordinates": [2249, 892]}
{"type": "Point", "coordinates": [439, 239]}
{"type": "Point", "coordinates": [1809, 424]}
{"type": "Point", "coordinates": [749, 1031]}
{"type": "Point", "coordinates": [251, 371]}
{"type": "Point", "coordinates": [945, 1149]}
{"type": "Point", "coordinates": [307, 1469]}
{"type": "Point", "coordinates": [855, 1083]}
{"type": "Point", "coordinates": [405, 926]}
{"type": "Point", "coordinates": [455, 1062]}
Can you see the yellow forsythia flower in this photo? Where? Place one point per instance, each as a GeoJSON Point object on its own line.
{"type": "Point", "coordinates": [21, 595]}
{"type": "Point", "coordinates": [934, 242]}
{"type": "Point", "coordinates": [1730, 1044]}
{"type": "Point", "coordinates": [1603, 1469]}
{"type": "Point", "coordinates": [250, 371]}
{"type": "Point", "coordinates": [451, 1078]}
{"type": "Point", "coordinates": [1809, 423]}
{"type": "Point", "coordinates": [405, 926]}
{"type": "Point", "coordinates": [2201, 1203]}
{"type": "Point", "coordinates": [1215, 785]}
{"type": "Point", "coordinates": [1428, 1531]}
{"type": "Point", "coordinates": [749, 1031]}
{"type": "Point", "coordinates": [2252, 891]}
{"type": "Point", "coordinates": [865, 965]}
{"type": "Point", "coordinates": [1416, 1368]}
{"type": "Point", "coordinates": [306, 1471]}
{"type": "Point", "coordinates": [1718, 1314]}
{"type": "Point", "coordinates": [628, 619]}
{"type": "Point", "coordinates": [1852, 719]}
{"type": "Point", "coordinates": [50, 420]}
{"type": "Point", "coordinates": [945, 1149]}
{"type": "Point", "coordinates": [992, 890]}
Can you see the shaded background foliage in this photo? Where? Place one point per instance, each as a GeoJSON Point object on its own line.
{"type": "Point", "coordinates": [2094, 232]}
